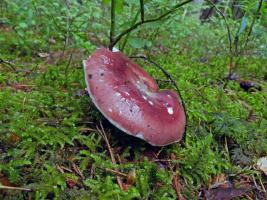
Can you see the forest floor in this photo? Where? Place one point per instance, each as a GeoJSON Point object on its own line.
{"type": "Point", "coordinates": [51, 144]}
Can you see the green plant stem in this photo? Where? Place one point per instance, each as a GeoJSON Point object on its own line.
{"type": "Point", "coordinates": [117, 39]}
{"type": "Point", "coordinates": [250, 30]}
{"type": "Point", "coordinates": [253, 23]}
{"type": "Point", "coordinates": [112, 26]}
{"type": "Point", "coordinates": [128, 34]}
{"type": "Point", "coordinates": [142, 10]}
{"type": "Point", "coordinates": [231, 54]}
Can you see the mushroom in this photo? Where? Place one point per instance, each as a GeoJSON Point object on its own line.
{"type": "Point", "coordinates": [131, 100]}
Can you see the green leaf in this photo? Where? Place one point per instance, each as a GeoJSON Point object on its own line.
{"type": "Point", "coordinates": [135, 2]}
{"type": "Point", "coordinates": [23, 25]}
{"type": "Point", "coordinates": [119, 6]}
{"type": "Point", "coordinates": [137, 42]}
{"type": "Point", "coordinates": [243, 25]}
{"type": "Point", "coordinates": [106, 1]}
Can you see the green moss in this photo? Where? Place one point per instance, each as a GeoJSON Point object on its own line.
{"type": "Point", "coordinates": [44, 126]}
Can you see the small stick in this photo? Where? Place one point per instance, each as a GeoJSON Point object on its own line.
{"type": "Point", "coordinates": [142, 11]}
{"type": "Point", "coordinates": [14, 188]}
{"type": "Point", "coordinates": [77, 170]}
{"type": "Point", "coordinates": [177, 187]}
{"type": "Point", "coordinates": [249, 198]}
{"type": "Point", "coordinates": [60, 169]}
{"type": "Point", "coordinates": [262, 185]}
{"type": "Point", "coordinates": [255, 183]}
{"type": "Point", "coordinates": [163, 160]}
{"type": "Point", "coordinates": [116, 172]}
{"type": "Point", "coordinates": [8, 64]}
{"type": "Point", "coordinates": [86, 129]}
{"type": "Point", "coordinates": [67, 67]}
{"type": "Point", "coordinates": [119, 158]}
{"type": "Point", "coordinates": [159, 152]}
{"type": "Point", "coordinates": [226, 147]}
{"type": "Point", "coordinates": [104, 135]}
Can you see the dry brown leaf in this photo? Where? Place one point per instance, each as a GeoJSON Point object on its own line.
{"type": "Point", "coordinates": [224, 193]}
{"type": "Point", "coordinates": [14, 138]}
{"type": "Point", "coordinates": [218, 181]}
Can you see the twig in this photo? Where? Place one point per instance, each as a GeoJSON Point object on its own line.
{"type": "Point", "coordinates": [249, 198]}
{"type": "Point", "coordinates": [112, 26]}
{"type": "Point", "coordinates": [77, 170]}
{"type": "Point", "coordinates": [263, 188]}
{"type": "Point", "coordinates": [168, 75]}
{"type": "Point", "coordinates": [159, 152]}
{"type": "Point", "coordinates": [116, 172]}
{"type": "Point", "coordinates": [14, 188]}
{"type": "Point", "coordinates": [177, 187]}
{"type": "Point", "coordinates": [163, 160]}
{"type": "Point", "coordinates": [8, 64]}
{"type": "Point", "coordinates": [86, 129]}
{"type": "Point", "coordinates": [142, 11]}
{"type": "Point", "coordinates": [226, 147]}
{"type": "Point", "coordinates": [113, 43]}
{"type": "Point", "coordinates": [175, 179]}
{"type": "Point", "coordinates": [255, 183]}
{"type": "Point", "coordinates": [66, 169]}
{"type": "Point", "coordinates": [104, 135]}
{"type": "Point", "coordinates": [62, 168]}
{"type": "Point", "coordinates": [67, 67]}
{"type": "Point", "coordinates": [229, 37]}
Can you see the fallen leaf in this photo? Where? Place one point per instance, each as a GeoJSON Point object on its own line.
{"type": "Point", "coordinates": [52, 41]}
{"type": "Point", "coordinates": [262, 164]}
{"type": "Point", "coordinates": [5, 181]}
{"type": "Point", "coordinates": [14, 138]}
{"type": "Point", "coordinates": [218, 181]}
{"type": "Point", "coordinates": [43, 55]}
{"type": "Point", "coordinates": [224, 193]}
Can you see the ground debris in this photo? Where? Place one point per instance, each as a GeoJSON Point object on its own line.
{"type": "Point", "coordinates": [262, 164]}
{"type": "Point", "coordinates": [222, 193]}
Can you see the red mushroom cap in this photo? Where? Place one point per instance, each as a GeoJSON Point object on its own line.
{"type": "Point", "coordinates": [131, 100]}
